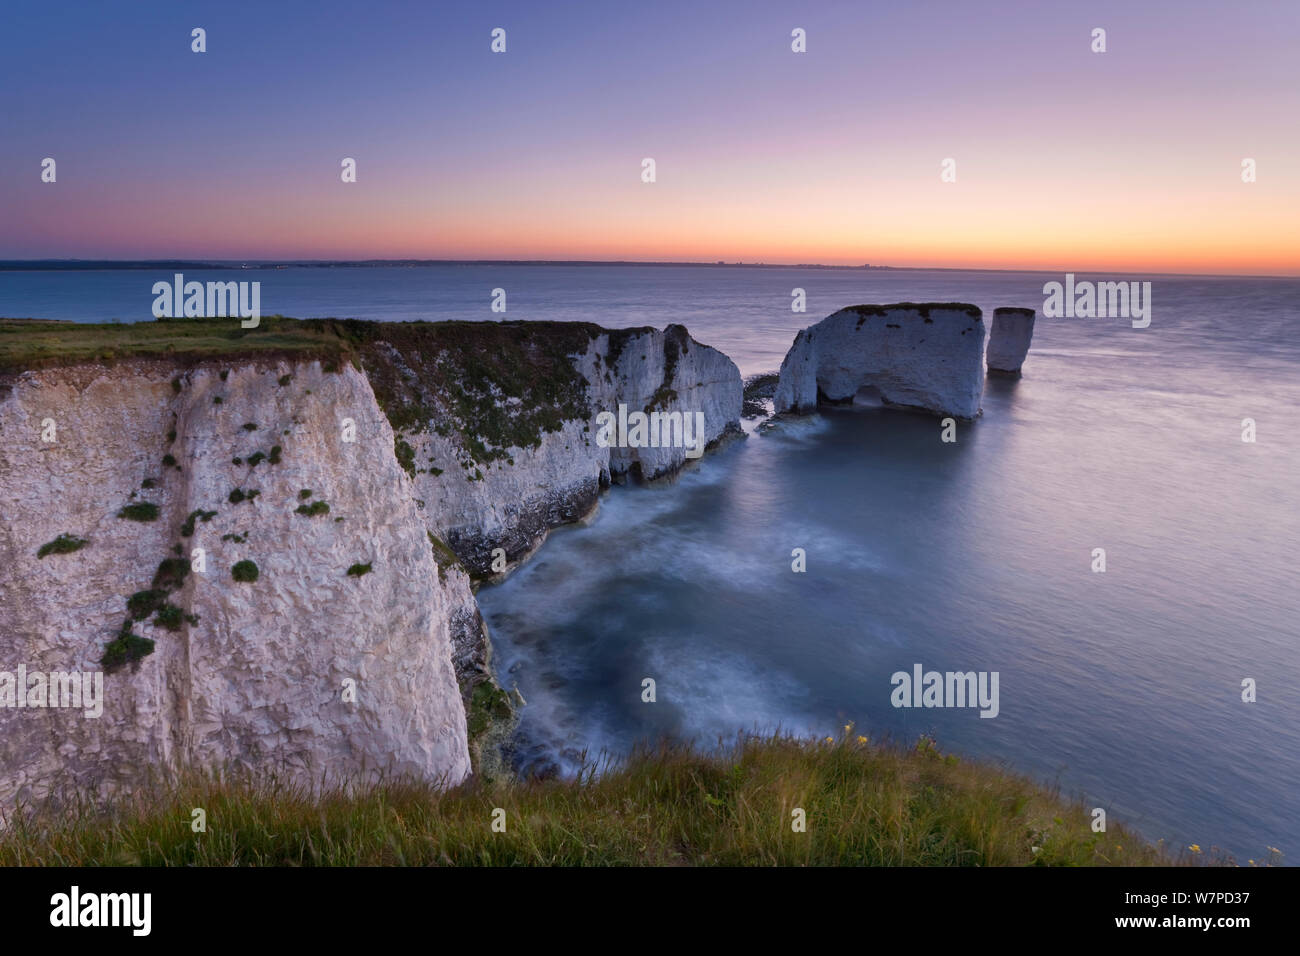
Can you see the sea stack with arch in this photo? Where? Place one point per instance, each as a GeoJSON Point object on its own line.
{"type": "Point", "coordinates": [1009, 341]}
{"type": "Point", "coordinates": [927, 356]}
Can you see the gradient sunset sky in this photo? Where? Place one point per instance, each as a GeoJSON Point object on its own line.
{"type": "Point", "coordinates": [1066, 159]}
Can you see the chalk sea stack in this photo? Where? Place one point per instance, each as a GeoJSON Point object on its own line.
{"type": "Point", "coordinates": [1009, 341]}
{"type": "Point", "coordinates": [920, 355]}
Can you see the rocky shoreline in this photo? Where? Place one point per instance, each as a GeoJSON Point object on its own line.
{"type": "Point", "coordinates": [281, 533]}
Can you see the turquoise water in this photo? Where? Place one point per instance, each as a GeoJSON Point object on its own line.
{"type": "Point", "coordinates": [1123, 686]}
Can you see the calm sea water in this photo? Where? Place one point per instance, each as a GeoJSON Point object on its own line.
{"type": "Point", "coordinates": [1124, 687]}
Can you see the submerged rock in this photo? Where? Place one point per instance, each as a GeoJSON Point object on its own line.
{"type": "Point", "coordinates": [1009, 341]}
{"type": "Point", "coordinates": [925, 356]}
{"type": "Point", "coordinates": [759, 391]}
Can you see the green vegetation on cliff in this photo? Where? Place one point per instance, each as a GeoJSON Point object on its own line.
{"type": "Point", "coordinates": [40, 343]}
{"type": "Point", "coordinates": [672, 805]}
{"type": "Point", "coordinates": [496, 384]}
{"type": "Point", "coordinates": [63, 544]}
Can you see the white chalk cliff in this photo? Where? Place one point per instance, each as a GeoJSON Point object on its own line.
{"type": "Point", "coordinates": [926, 356]}
{"type": "Point", "coordinates": [255, 674]}
{"type": "Point", "coordinates": [1009, 338]}
{"type": "Point", "coordinates": [511, 501]}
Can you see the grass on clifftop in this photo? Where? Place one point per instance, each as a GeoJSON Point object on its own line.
{"type": "Point", "coordinates": [39, 343]}
{"type": "Point", "coordinates": [500, 385]}
{"type": "Point", "coordinates": [671, 805]}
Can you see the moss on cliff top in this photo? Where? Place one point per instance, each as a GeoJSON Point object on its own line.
{"type": "Point", "coordinates": [924, 308]}
{"type": "Point", "coordinates": [497, 384]}
{"type": "Point", "coordinates": [43, 343]}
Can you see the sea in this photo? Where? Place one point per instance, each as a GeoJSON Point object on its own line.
{"type": "Point", "coordinates": [1164, 688]}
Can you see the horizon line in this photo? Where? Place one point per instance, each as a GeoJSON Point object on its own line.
{"type": "Point", "coordinates": [90, 265]}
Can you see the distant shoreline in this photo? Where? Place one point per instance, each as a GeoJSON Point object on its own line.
{"type": "Point", "coordinates": [112, 265]}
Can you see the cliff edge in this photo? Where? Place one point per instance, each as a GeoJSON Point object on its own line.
{"type": "Point", "coordinates": [264, 542]}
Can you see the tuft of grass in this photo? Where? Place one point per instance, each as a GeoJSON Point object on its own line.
{"type": "Point", "coordinates": [666, 804]}
{"type": "Point", "coordinates": [358, 570]}
{"type": "Point", "coordinates": [443, 556]}
{"type": "Point", "coordinates": [187, 528]}
{"type": "Point", "coordinates": [314, 509]}
{"type": "Point", "coordinates": [170, 617]}
{"type": "Point", "coordinates": [245, 571]}
{"type": "Point", "coordinates": [304, 494]}
{"type": "Point", "coordinates": [127, 648]}
{"type": "Point", "coordinates": [405, 455]}
{"type": "Point", "coordinates": [488, 704]}
{"type": "Point", "coordinates": [285, 379]}
{"type": "Point", "coordinates": [139, 511]}
{"type": "Point", "coordinates": [239, 494]}
{"type": "Point", "coordinates": [63, 544]}
{"type": "Point", "coordinates": [171, 573]}
{"type": "Point", "coordinates": [143, 603]}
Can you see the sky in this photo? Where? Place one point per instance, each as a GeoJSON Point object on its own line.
{"type": "Point", "coordinates": [1065, 159]}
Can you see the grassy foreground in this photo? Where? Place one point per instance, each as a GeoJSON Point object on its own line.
{"type": "Point", "coordinates": [670, 805]}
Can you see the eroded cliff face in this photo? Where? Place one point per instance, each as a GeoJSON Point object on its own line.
{"type": "Point", "coordinates": [364, 493]}
{"type": "Point", "coordinates": [505, 485]}
{"type": "Point", "coordinates": [926, 356]}
{"type": "Point", "coordinates": [257, 675]}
